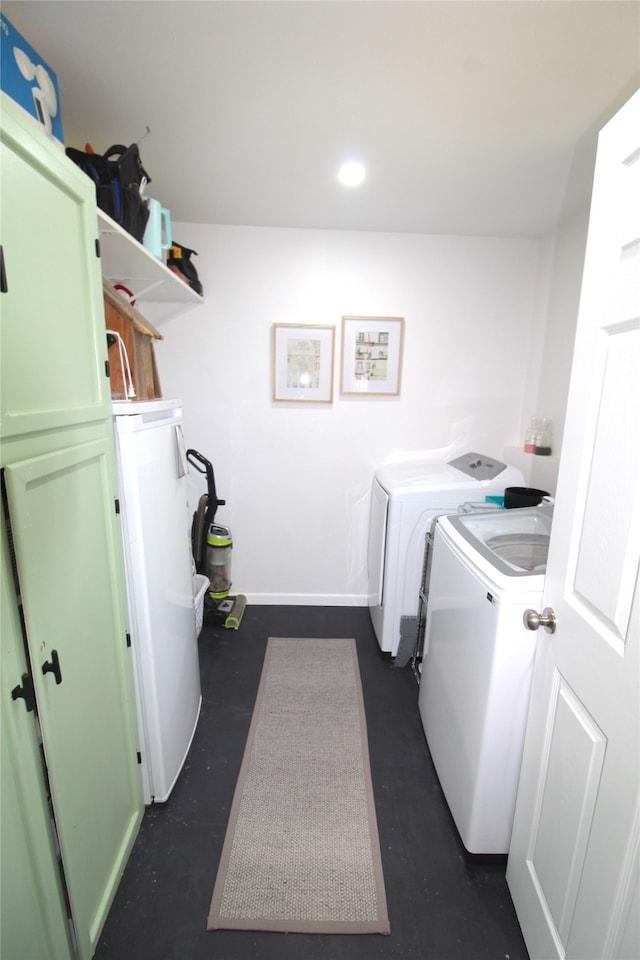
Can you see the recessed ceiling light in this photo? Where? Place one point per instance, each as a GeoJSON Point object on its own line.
{"type": "Point", "coordinates": [351, 174]}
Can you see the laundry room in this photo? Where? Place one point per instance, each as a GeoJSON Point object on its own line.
{"type": "Point", "coordinates": [488, 303]}
{"type": "Point", "coordinates": [477, 126]}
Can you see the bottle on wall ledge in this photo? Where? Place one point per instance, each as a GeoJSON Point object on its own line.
{"type": "Point", "coordinates": [531, 436]}
{"type": "Point", "coordinates": [546, 431]}
{"type": "Point", "coordinates": [537, 438]}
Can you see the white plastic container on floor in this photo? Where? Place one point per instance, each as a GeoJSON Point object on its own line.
{"type": "Point", "coordinates": [200, 586]}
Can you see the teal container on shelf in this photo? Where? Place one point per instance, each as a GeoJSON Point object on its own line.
{"type": "Point", "coordinates": [157, 234]}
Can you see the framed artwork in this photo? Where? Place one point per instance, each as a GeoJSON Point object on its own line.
{"type": "Point", "coordinates": [303, 363]}
{"type": "Point", "coordinates": [372, 355]}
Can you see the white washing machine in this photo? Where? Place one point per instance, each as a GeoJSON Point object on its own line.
{"type": "Point", "coordinates": [405, 499]}
{"type": "Point", "coordinates": [487, 569]}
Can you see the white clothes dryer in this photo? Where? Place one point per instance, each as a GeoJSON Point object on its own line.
{"type": "Point", "coordinates": [405, 499]}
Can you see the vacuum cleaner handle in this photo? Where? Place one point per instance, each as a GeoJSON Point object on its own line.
{"type": "Point", "coordinates": [195, 459]}
{"type": "Point", "coordinates": [195, 455]}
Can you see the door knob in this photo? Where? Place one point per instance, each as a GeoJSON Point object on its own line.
{"type": "Point", "coordinates": [547, 619]}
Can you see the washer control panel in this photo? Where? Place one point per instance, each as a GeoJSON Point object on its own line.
{"type": "Point", "coordinates": [478, 466]}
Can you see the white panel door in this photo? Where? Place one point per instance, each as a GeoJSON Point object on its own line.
{"type": "Point", "coordinates": [573, 863]}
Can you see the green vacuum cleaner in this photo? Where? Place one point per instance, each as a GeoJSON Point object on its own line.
{"type": "Point", "coordinates": [211, 544]}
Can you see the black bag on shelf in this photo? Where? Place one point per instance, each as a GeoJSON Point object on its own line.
{"type": "Point", "coordinates": [179, 260]}
{"type": "Point", "coordinates": [117, 174]}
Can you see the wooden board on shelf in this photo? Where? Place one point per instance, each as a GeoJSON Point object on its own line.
{"type": "Point", "coordinates": [137, 337]}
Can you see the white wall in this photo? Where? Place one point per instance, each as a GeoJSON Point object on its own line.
{"type": "Point", "coordinates": [556, 311]}
{"type": "Point", "coordinates": [551, 351]}
{"type": "Point", "coordinates": [296, 477]}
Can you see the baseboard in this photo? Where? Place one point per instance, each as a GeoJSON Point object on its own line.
{"type": "Point", "coordinates": [306, 599]}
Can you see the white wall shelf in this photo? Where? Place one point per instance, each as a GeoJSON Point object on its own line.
{"type": "Point", "coordinates": [126, 261]}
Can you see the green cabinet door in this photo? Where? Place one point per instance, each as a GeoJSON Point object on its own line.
{"type": "Point", "coordinates": [68, 557]}
{"type": "Point", "coordinates": [52, 328]}
{"type": "Point", "coordinates": [33, 921]}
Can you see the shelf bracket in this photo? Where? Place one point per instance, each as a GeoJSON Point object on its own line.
{"type": "Point", "coordinates": [138, 294]}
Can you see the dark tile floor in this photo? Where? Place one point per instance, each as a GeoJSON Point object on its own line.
{"type": "Point", "coordinates": [443, 905]}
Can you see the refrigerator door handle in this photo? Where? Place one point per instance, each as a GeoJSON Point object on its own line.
{"type": "Point", "coordinates": [183, 467]}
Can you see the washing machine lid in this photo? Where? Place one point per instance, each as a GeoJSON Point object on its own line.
{"type": "Point", "coordinates": [511, 543]}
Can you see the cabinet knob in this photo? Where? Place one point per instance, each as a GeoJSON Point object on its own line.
{"type": "Point", "coordinates": [4, 286]}
{"type": "Point", "coordinates": [53, 666]}
{"type": "Point", "coordinates": [25, 692]}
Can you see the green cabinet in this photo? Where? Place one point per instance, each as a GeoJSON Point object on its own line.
{"type": "Point", "coordinates": [33, 919]}
{"type": "Point", "coordinates": [71, 800]}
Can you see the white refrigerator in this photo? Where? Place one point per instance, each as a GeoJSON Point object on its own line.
{"type": "Point", "coordinates": [152, 470]}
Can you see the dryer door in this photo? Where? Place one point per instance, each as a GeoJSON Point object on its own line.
{"type": "Point", "coordinates": [377, 543]}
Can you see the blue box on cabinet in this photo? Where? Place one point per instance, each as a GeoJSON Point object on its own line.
{"type": "Point", "coordinates": [27, 79]}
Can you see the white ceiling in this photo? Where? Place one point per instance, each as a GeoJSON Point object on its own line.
{"type": "Point", "coordinates": [465, 112]}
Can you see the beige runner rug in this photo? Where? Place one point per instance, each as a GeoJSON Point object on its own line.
{"type": "Point", "coordinates": [301, 853]}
